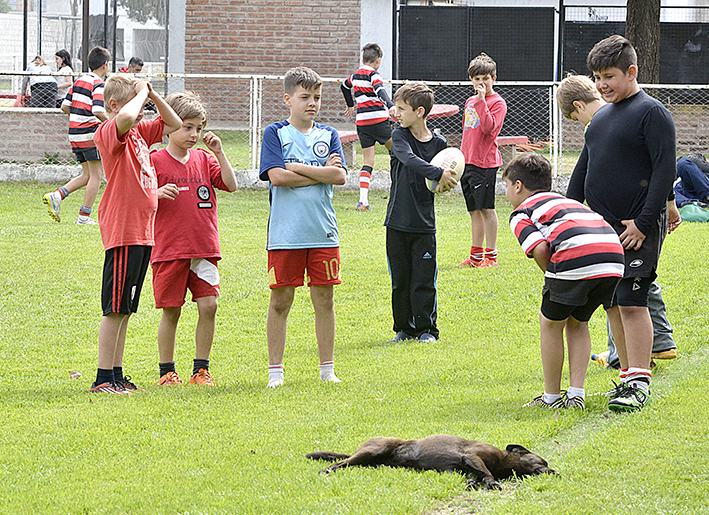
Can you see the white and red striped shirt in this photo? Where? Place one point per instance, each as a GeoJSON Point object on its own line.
{"type": "Point", "coordinates": [582, 244]}
{"type": "Point", "coordinates": [373, 102]}
{"type": "Point", "coordinates": [84, 98]}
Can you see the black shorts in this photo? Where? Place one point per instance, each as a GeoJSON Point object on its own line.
{"type": "Point", "coordinates": [633, 291]}
{"type": "Point", "coordinates": [124, 271]}
{"type": "Point", "coordinates": [479, 187]}
{"type": "Point", "coordinates": [579, 299]}
{"type": "Point", "coordinates": [86, 154]}
{"type": "Point", "coordinates": [643, 262]}
{"type": "Point", "coordinates": [371, 134]}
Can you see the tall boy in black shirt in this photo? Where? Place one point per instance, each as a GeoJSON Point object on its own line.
{"type": "Point", "coordinates": [625, 174]}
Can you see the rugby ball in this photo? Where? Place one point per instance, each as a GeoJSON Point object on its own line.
{"type": "Point", "coordinates": [448, 158]}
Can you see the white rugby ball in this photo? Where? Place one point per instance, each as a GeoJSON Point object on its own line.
{"type": "Point", "coordinates": [448, 158]}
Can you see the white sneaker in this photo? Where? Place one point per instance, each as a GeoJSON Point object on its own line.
{"type": "Point", "coordinates": [53, 201]}
{"type": "Point", "coordinates": [85, 220]}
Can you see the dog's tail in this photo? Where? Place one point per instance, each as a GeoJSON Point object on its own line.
{"type": "Point", "coordinates": [327, 456]}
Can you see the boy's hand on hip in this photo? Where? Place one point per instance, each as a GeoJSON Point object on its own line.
{"type": "Point", "coordinates": [212, 142]}
{"type": "Point", "coordinates": [447, 182]}
{"type": "Point", "coordinates": [631, 238]}
{"type": "Point", "coordinates": [169, 191]}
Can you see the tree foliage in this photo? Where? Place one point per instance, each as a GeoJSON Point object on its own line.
{"type": "Point", "coordinates": [144, 10]}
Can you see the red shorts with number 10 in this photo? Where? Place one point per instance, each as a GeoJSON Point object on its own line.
{"type": "Point", "coordinates": [296, 267]}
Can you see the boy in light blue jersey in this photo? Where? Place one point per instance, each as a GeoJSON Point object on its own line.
{"type": "Point", "coordinates": [302, 161]}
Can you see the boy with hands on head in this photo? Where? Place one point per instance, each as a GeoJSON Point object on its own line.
{"type": "Point", "coordinates": [126, 214]}
{"type": "Point", "coordinates": [411, 218]}
{"type": "Point", "coordinates": [302, 161]}
{"type": "Point", "coordinates": [187, 249]}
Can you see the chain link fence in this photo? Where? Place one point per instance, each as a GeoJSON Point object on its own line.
{"type": "Point", "coordinates": [240, 107]}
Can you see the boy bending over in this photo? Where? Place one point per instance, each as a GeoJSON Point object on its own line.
{"type": "Point", "coordinates": [186, 234]}
{"type": "Point", "coordinates": [582, 260]}
{"type": "Point", "coordinates": [302, 161]}
{"type": "Point", "coordinates": [126, 215]}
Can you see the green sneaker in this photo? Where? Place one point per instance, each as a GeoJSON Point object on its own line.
{"type": "Point", "coordinates": [629, 398]}
{"type": "Point", "coordinates": [539, 401]}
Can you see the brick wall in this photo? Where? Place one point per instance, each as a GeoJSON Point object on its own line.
{"type": "Point", "coordinates": [30, 135]}
{"type": "Point", "coordinates": [269, 37]}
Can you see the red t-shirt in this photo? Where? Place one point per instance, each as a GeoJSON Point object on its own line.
{"type": "Point", "coordinates": [481, 126]}
{"type": "Point", "coordinates": [126, 213]}
{"type": "Point", "coordinates": [186, 228]}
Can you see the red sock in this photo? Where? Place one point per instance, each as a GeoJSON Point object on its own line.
{"type": "Point", "coordinates": [476, 254]}
{"type": "Point", "coordinates": [491, 254]}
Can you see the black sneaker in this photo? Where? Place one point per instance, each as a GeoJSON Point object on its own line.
{"type": "Point", "coordinates": [630, 398]}
{"type": "Point", "coordinates": [128, 385]}
{"type": "Point", "coordinates": [577, 402]}
{"type": "Point", "coordinates": [539, 401]}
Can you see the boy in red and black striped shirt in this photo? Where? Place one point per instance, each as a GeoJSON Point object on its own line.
{"type": "Point", "coordinates": [84, 105]}
{"type": "Point", "coordinates": [583, 262]}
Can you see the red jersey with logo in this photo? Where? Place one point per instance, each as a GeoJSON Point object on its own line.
{"type": "Point", "coordinates": [481, 125]}
{"type": "Point", "coordinates": [186, 228]}
{"type": "Point", "coordinates": [126, 213]}
{"type": "Point", "coordinates": [84, 98]}
{"type": "Point", "coordinates": [369, 94]}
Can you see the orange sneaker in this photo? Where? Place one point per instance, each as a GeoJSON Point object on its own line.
{"type": "Point", "coordinates": [470, 262]}
{"type": "Point", "coordinates": [202, 377]}
{"type": "Point", "coordinates": [489, 262]}
{"type": "Point", "coordinates": [170, 379]}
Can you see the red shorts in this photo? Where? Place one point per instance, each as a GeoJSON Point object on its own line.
{"type": "Point", "coordinates": [296, 267]}
{"type": "Point", "coordinates": [172, 278]}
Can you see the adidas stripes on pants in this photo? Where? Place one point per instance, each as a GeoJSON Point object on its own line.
{"type": "Point", "coordinates": [413, 269]}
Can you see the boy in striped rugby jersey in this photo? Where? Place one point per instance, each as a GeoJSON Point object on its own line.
{"type": "Point", "coordinates": [373, 109]}
{"type": "Point", "coordinates": [84, 105]}
{"type": "Point", "coordinates": [583, 262]}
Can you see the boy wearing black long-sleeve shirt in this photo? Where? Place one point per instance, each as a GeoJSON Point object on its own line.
{"type": "Point", "coordinates": [625, 173]}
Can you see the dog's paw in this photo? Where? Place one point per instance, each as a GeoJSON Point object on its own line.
{"type": "Point", "coordinates": [325, 471]}
{"type": "Point", "coordinates": [491, 484]}
{"type": "Point", "coordinates": [472, 484]}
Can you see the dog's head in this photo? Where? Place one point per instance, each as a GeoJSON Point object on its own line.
{"type": "Point", "coordinates": [530, 464]}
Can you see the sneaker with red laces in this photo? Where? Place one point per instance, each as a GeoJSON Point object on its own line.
{"type": "Point", "coordinates": [202, 377]}
{"type": "Point", "coordinates": [109, 388]}
{"type": "Point", "coordinates": [128, 385]}
{"type": "Point", "coordinates": [471, 262]}
{"type": "Point", "coordinates": [170, 379]}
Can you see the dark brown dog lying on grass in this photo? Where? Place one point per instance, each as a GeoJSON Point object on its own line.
{"type": "Point", "coordinates": [480, 462]}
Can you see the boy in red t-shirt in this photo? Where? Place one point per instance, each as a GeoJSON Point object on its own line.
{"type": "Point", "coordinates": [126, 214]}
{"type": "Point", "coordinates": [186, 248]}
{"type": "Point", "coordinates": [484, 115]}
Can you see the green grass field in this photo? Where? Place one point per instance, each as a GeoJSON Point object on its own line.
{"type": "Point", "coordinates": [239, 448]}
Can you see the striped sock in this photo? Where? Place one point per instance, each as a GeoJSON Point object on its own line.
{"type": "Point", "coordinates": [365, 177]}
{"type": "Point", "coordinates": [275, 375]}
{"type": "Point", "coordinates": [86, 211]}
{"type": "Point", "coordinates": [63, 192]}
{"type": "Point", "coordinates": [623, 376]}
{"type": "Point", "coordinates": [476, 254]}
{"type": "Point", "coordinates": [639, 377]}
{"type": "Point", "coordinates": [491, 254]}
{"type": "Point", "coordinates": [327, 372]}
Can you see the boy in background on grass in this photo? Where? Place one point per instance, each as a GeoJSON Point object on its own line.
{"type": "Point", "coordinates": [625, 173]}
{"type": "Point", "coordinates": [126, 215]}
{"type": "Point", "coordinates": [373, 109]}
{"type": "Point", "coordinates": [187, 248]}
{"type": "Point", "coordinates": [582, 260]}
{"type": "Point", "coordinates": [84, 104]}
{"type": "Point", "coordinates": [302, 161]}
{"type": "Point", "coordinates": [484, 115]}
{"type": "Point", "coordinates": [579, 100]}
{"type": "Point", "coordinates": [411, 219]}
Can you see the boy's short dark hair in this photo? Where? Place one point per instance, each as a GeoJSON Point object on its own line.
{"type": "Point", "coordinates": [531, 169]}
{"type": "Point", "coordinates": [612, 52]}
{"type": "Point", "coordinates": [371, 52]}
{"type": "Point", "coordinates": [98, 57]}
{"type": "Point", "coordinates": [301, 76]}
{"type": "Point", "coordinates": [575, 88]}
{"type": "Point", "coordinates": [482, 65]}
{"type": "Point", "coordinates": [416, 94]}
{"type": "Point", "coordinates": [135, 61]}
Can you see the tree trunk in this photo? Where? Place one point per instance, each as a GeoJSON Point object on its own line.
{"type": "Point", "coordinates": [642, 29]}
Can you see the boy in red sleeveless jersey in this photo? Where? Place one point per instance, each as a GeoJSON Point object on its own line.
{"type": "Point", "coordinates": [583, 262]}
{"type": "Point", "coordinates": [373, 108]}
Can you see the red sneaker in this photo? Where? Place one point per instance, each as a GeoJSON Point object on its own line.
{"type": "Point", "coordinates": [202, 377]}
{"type": "Point", "coordinates": [170, 379]}
{"type": "Point", "coordinates": [470, 262]}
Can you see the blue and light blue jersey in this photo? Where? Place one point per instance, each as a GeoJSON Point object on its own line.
{"type": "Point", "coordinates": [301, 217]}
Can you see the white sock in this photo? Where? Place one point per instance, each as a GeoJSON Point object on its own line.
{"type": "Point", "coordinates": [275, 375]}
{"type": "Point", "coordinates": [551, 398]}
{"type": "Point", "coordinates": [327, 372]}
{"type": "Point", "coordinates": [364, 196]}
{"type": "Point", "coordinates": [575, 392]}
